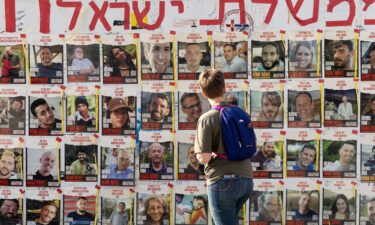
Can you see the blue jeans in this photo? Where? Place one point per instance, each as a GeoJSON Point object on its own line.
{"type": "Point", "coordinates": [226, 198]}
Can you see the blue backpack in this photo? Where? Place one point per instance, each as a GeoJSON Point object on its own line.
{"type": "Point", "coordinates": [237, 132]}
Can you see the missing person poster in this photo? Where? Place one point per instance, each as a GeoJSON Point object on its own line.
{"type": "Point", "coordinates": [11, 202]}
{"type": "Point", "coordinates": [11, 161]}
{"type": "Point", "coordinates": [367, 56]}
{"type": "Point", "coordinates": [366, 195]}
{"type": "Point", "coordinates": [151, 196]}
{"type": "Point", "coordinates": [267, 104]}
{"type": "Point", "coordinates": [82, 109]}
{"type": "Point", "coordinates": [304, 54]}
{"type": "Point", "coordinates": [119, 110]}
{"type": "Point", "coordinates": [117, 206]}
{"type": "Point", "coordinates": [156, 155]}
{"type": "Point", "coordinates": [367, 157]}
{"type": "Point", "coordinates": [231, 54]}
{"type": "Point", "coordinates": [157, 62]}
{"type": "Point", "coordinates": [117, 161]}
{"type": "Point", "coordinates": [303, 153]}
{"type": "Point", "coordinates": [340, 48]}
{"type": "Point", "coordinates": [267, 162]}
{"type": "Point", "coordinates": [43, 206]}
{"type": "Point", "coordinates": [266, 203]}
{"type": "Point", "coordinates": [13, 62]}
{"type": "Point", "coordinates": [302, 202]}
{"type": "Point", "coordinates": [81, 158]}
{"type": "Point", "coordinates": [191, 203]}
{"type": "Point", "coordinates": [236, 93]}
{"type": "Point", "coordinates": [367, 116]}
{"type": "Point", "coordinates": [188, 167]}
{"type": "Point", "coordinates": [43, 161]}
{"type": "Point", "coordinates": [191, 105]}
{"type": "Point", "coordinates": [46, 110]}
{"type": "Point", "coordinates": [157, 106]}
{"type": "Point", "coordinates": [340, 153]}
{"type": "Point", "coordinates": [340, 103]}
{"type": "Point", "coordinates": [46, 59]}
{"type": "Point", "coordinates": [80, 205]}
{"type": "Point", "coordinates": [339, 202]}
{"type": "Point", "coordinates": [120, 59]}
{"type": "Point", "coordinates": [12, 110]}
{"type": "Point", "coordinates": [193, 55]}
{"type": "Point", "coordinates": [83, 58]}
{"type": "Point", "coordinates": [267, 55]}
{"type": "Point", "coordinates": [304, 104]}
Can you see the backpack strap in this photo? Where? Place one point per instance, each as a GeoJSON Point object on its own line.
{"type": "Point", "coordinates": [214, 154]}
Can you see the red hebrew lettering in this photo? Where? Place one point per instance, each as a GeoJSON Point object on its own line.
{"type": "Point", "coordinates": [10, 15]}
{"type": "Point", "coordinates": [139, 15]}
{"type": "Point", "coordinates": [126, 8]}
{"type": "Point", "coordinates": [348, 22]}
{"type": "Point", "coordinates": [271, 10]}
{"type": "Point", "coordinates": [367, 4]}
{"type": "Point", "coordinates": [99, 14]}
{"type": "Point", "coordinates": [45, 16]}
{"type": "Point", "coordinates": [76, 5]}
{"type": "Point", "coordinates": [179, 4]}
{"type": "Point", "coordinates": [222, 3]}
{"type": "Point", "coordinates": [295, 9]}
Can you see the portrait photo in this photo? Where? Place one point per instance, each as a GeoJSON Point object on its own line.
{"type": "Point", "coordinates": [339, 156]}
{"type": "Point", "coordinates": [81, 114]}
{"type": "Point", "coordinates": [42, 212]}
{"type": "Point", "coordinates": [302, 157]}
{"type": "Point", "coordinates": [45, 116]}
{"type": "Point", "coordinates": [340, 108]}
{"type": "Point", "coordinates": [81, 163]}
{"type": "Point", "coordinates": [46, 64]}
{"type": "Point", "coordinates": [339, 205]}
{"type": "Point", "coordinates": [191, 106]}
{"type": "Point", "coordinates": [231, 57]}
{"type": "Point", "coordinates": [12, 115]}
{"type": "Point", "coordinates": [191, 209]}
{"type": "Point", "coordinates": [193, 58]}
{"type": "Point", "coordinates": [117, 211]}
{"type": "Point", "coordinates": [302, 205]}
{"type": "Point", "coordinates": [266, 109]}
{"type": "Point", "coordinates": [117, 164]}
{"type": "Point", "coordinates": [367, 60]}
{"type": "Point", "coordinates": [42, 166]}
{"type": "Point", "coordinates": [119, 115]}
{"type": "Point", "coordinates": [83, 63]}
{"type": "Point", "coordinates": [266, 206]}
{"type": "Point", "coordinates": [156, 61]}
{"type": "Point", "coordinates": [304, 109]}
{"type": "Point", "coordinates": [156, 110]}
{"type": "Point", "coordinates": [13, 64]}
{"type": "Point", "coordinates": [11, 160]}
{"type": "Point", "coordinates": [268, 57]}
{"type": "Point", "coordinates": [79, 210]}
{"type": "Point", "coordinates": [303, 58]}
{"type": "Point", "coordinates": [153, 209]}
{"type": "Point", "coordinates": [120, 64]}
{"type": "Point", "coordinates": [367, 162]}
{"type": "Point", "coordinates": [156, 160]}
{"type": "Point", "coordinates": [367, 209]}
{"type": "Point", "coordinates": [268, 158]}
{"type": "Point", "coordinates": [11, 211]}
{"type": "Point", "coordinates": [339, 58]}
{"type": "Point", "coordinates": [367, 112]}
{"type": "Point", "coordinates": [188, 166]}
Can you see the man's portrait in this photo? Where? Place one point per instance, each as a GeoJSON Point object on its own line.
{"type": "Point", "coordinates": [191, 209]}
{"type": "Point", "coordinates": [189, 167]}
{"type": "Point", "coordinates": [45, 116]}
{"type": "Point", "coordinates": [339, 54]}
{"type": "Point", "coordinates": [301, 156]}
{"type": "Point", "coordinates": [46, 62]}
{"type": "Point", "coordinates": [116, 211]}
{"type": "Point", "coordinates": [340, 156]}
{"type": "Point", "coordinates": [367, 161]}
{"type": "Point", "coordinates": [81, 162]}
{"type": "Point", "coordinates": [367, 209]}
{"type": "Point", "coordinates": [84, 210]}
{"type": "Point", "coordinates": [302, 205]}
{"type": "Point", "coordinates": [304, 106]}
{"type": "Point", "coordinates": [12, 115]}
{"type": "Point", "coordinates": [81, 113]}
{"type": "Point", "coordinates": [156, 158]}
{"type": "Point", "coordinates": [83, 63]}
{"type": "Point", "coordinates": [268, 56]}
{"type": "Point", "coordinates": [191, 107]}
{"type": "Point", "coordinates": [266, 107]}
{"type": "Point", "coordinates": [45, 168]}
{"type": "Point", "coordinates": [234, 59]}
{"type": "Point", "coordinates": [10, 211]}
{"type": "Point", "coordinates": [119, 115]}
{"type": "Point", "coordinates": [122, 168]}
{"type": "Point", "coordinates": [156, 110]}
{"type": "Point", "coordinates": [42, 212]}
{"type": "Point", "coordinates": [268, 157]}
{"type": "Point", "coordinates": [367, 110]}
{"type": "Point", "coordinates": [157, 58]}
{"type": "Point", "coordinates": [367, 59]}
{"type": "Point", "coordinates": [339, 205]}
{"type": "Point", "coordinates": [266, 206]}
{"type": "Point", "coordinates": [193, 57]}
{"type": "Point", "coordinates": [340, 108]}
{"type": "Point", "coordinates": [10, 164]}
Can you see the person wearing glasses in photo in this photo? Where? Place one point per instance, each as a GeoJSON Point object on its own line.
{"type": "Point", "coordinates": [191, 105]}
